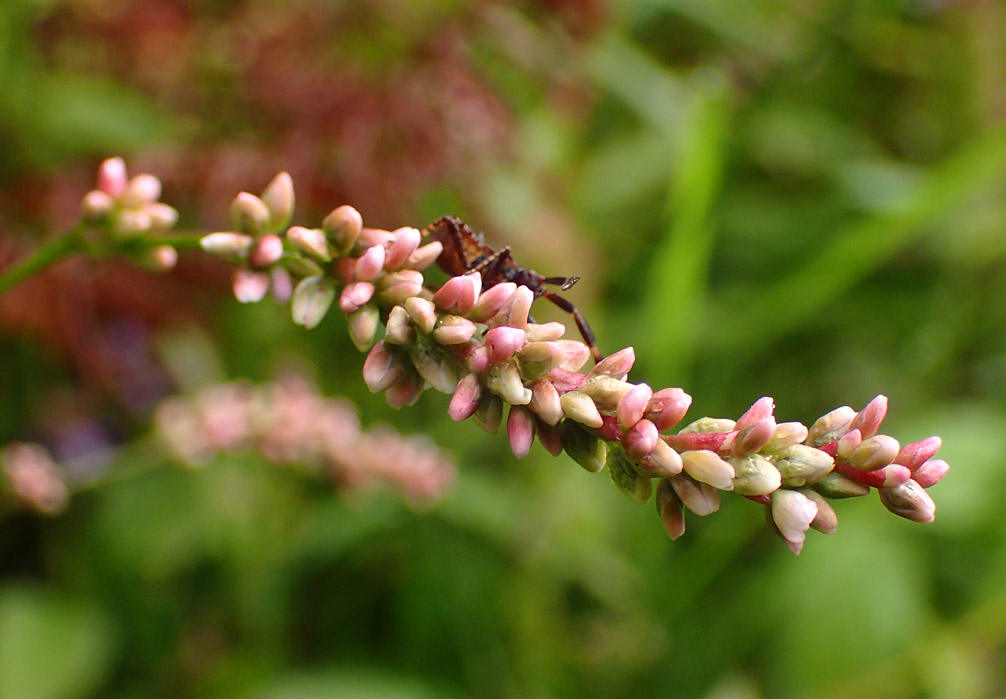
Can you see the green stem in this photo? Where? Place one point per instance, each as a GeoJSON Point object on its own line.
{"type": "Point", "coordinates": [50, 252]}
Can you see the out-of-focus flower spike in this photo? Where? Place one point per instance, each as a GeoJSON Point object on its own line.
{"type": "Point", "coordinates": [838, 486]}
{"type": "Point", "coordinates": [786, 435]}
{"type": "Point", "coordinates": [583, 447]}
{"type": "Point", "coordinates": [503, 342]}
{"type": "Point", "coordinates": [910, 501]}
{"type": "Point", "coordinates": [831, 426]}
{"type": "Point", "coordinates": [363, 326]}
{"type": "Point", "coordinates": [801, 465]}
{"type": "Point", "coordinates": [632, 406]}
{"type": "Point", "coordinates": [505, 381]}
{"type": "Point", "coordinates": [701, 498]}
{"type": "Point", "coordinates": [578, 406]}
{"type": "Point", "coordinates": [423, 313]}
{"type": "Point", "coordinates": [917, 453]}
{"type": "Point", "coordinates": [370, 264]}
{"type": "Point", "coordinates": [343, 226]}
{"type": "Point", "coordinates": [640, 439]}
{"type": "Point", "coordinates": [399, 329]}
{"type": "Point", "coordinates": [383, 367]}
{"type": "Point", "coordinates": [868, 420]}
{"type": "Point", "coordinates": [520, 427]}
{"type": "Point", "coordinates": [310, 241]}
{"type": "Point", "coordinates": [132, 222]}
{"type": "Point", "coordinates": [424, 256]}
{"type": "Point", "coordinates": [930, 473]}
{"type": "Point", "coordinates": [670, 509]}
{"type": "Point", "coordinates": [354, 296]}
{"type": "Point", "coordinates": [266, 251]}
{"type": "Point", "coordinates": [489, 414]}
{"type": "Point", "coordinates": [249, 214]}
{"type": "Point", "coordinates": [793, 512]}
{"type": "Point", "coordinates": [875, 452]}
{"type": "Point", "coordinates": [545, 402]}
{"type": "Point", "coordinates": [311, 300]}
{"type": "Point", "coordinates": [279, 199]}
{"type": "Point", "coordinates": [465, 400]}
{"type": "Point", "coordinates": [112, 178]}
{"type": "Point", "coordinates": [826, 521]}
{"type": "Point", "coordinates": [761, 409]}
{"type": "Point", "coordinates": [453, 330]}
{"type": "Point", "coordinates": [249, 286]}
{"type": "Point", "coordinates": [405, 244]}
{"type": "Point", "coordinates": [625, 477]}
{"type": "Point", "coordinates": [616, 365]}
{"type": "Point", "coordinates": [755, 475]}
{"type": "Point", "coordinates": [575, 354]}
{"type": "Point", "coordinates": [491, 301]}
{"type": "Point", "coordinates": [549, 437]}
{"type": "Point", "coordinates": [662, 462]}
{"type": "Point", "coordinates": [544, 332]}
{"type": "Point", "coordinates": [707, 467]}
{"type": "Point", "coordinates": [667, 407]}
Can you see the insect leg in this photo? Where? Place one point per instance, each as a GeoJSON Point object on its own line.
{"type": "Point", "coordinates": [581, 322]}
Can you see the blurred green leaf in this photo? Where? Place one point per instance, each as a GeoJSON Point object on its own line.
{"type": "Point", "coordinates": [351, 683]}
{"type": "Point", "coordinates": [51, 647]}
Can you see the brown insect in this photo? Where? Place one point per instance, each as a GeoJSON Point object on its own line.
{"type": "Point", "coordinates": [466, 251]}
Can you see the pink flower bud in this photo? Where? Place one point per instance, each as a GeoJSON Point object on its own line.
{"type": "Point", "coordinates": [616, 365]}
{"type": "Point", "coordinates": [96, 205]}
{"type": "Point", "coordinates": [399, 329]}
{"type": "Point", "coordinates": [754, 437]}
{"type": "Point", "coordinates": [545, 402]}
{"type": "Point", "coordinates": [343, 226]}
{"type": "Point", "coordinates": [667, 407]}
{"type": "Point", "coordinates": [249, 214]}
{"type": "Point", "coordinates": [162, 216]}
{"type": "Point", "coordinates": [849, 443]}
{"type": "Point", "coordinates": [489, 413]}
{"type": "Point", "coordinates": [279, 199]}
{"type": "Point", "coordinates": [437, 369]}
{"type": "Point", "coordinates": [701, 498]}
{"type": "Point", "coordinates": [831, 426]}
{"type": "Point", "coordinates": [142, 189]}
{"type": "Point", "coordinates": [405, 244]}
{"type": "Point", "coordinates": [520, 430]}
{"type": "Point", "coordinates": [550, 438]}
{"type": "Point", "coordinates": [161, 258]}
{"type": "Point", "coordinates": [875, 452]}
{"type": "Point", "coordinates": [670, 509]}
{"type": "Point", "coordinates": [575, 354]}
{"type": "Point", "coordinates": [895, 474]}
{"type": "Point", "coordinates": [869, 418]}
{"type": "Point", "coordinates": [266, 251]}
{"type": "Point", "coordinates": [491, 301]}
{"type": "Point", "coordinates": [465, 400]}
{"type": "Point", "coordinates": [405, 392]}
{"type": "Point", "coordinates": [422, 313]}
{"type": "Point", "coordinates": [231, 247]}
{"type": "Point", "coordinates": [425, 256]}
{"type": "Point", "coordinates": [503, 342]}
{"type": "Point", "coordinates": [370, 264]}
{"type": "Point", "coordinates": [762, 408]}
{"type": "Point", "coordinates": [249, 286]}
{"type": "Point", "coordinates": [112, 177]}
{"type": "Point", "coordinates": [280, 284]}
{"type": "Point", "coordinates": [517, 308]}
{"type": "Point", "coordinates": [311, 300]}
{"type": "Point", "coordinates": [133, 222]}
{"type": "Point", "coordinates": [355, 295]}
{"type": "Point", "coordinates": [453, 330]}
{"type": "Point", "coordinates": [640, 439]}
{"type": "Point", "coordinates": [383, 368]}
{"type": "Point", "coordinates": [786, 435]}
{"type": "Point", "coordinates": [662, 462]}
{"type": "Point", "coordinates": [363, 327]}
{"type": "Point", "coordinates": [536, 359]}
{"type": "Point", "coordinates": [505, 381]}
{"type": "Point", "coordinates": [578, 406]}
{"type": "Point", "coordinates": [910, 501]}
{"type": "Point", "coordinates": [632, 406]}
{"type": "Point", "coordinates": [310, 241]}
{"type": "Point", "coordinates": [917, 453]}
{"type": "Point", "coordinates": [930, 473]}
{"type": "Point", "coordinates": [792, 513]}
{"type": "Point", "coordinates": [826, 521]}
{"type": "Point", "coordinates": [396, 287]}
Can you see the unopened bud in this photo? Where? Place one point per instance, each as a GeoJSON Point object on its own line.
{"type": "Point", "coordinates": [670, 509]}
{"type": "Point", "coordinates": [142, 189]}
{"type": "Point", "coordinates": [161, 258]}
{"type": "Point", "coordinates": [395, 287]}
{"type": "Point", "coordinates": [709, 425]}
{"type": "Point", "coordinates": [535, 359]}
{"type": "Point", "coordinates": [544, 332]}
{"type": "Point", "coordinates": [231, 247]}
{"type": "Point", "coordinates": [831, 426]}
{"type": "Point", "coordinates": [931, 472]}
{"type": "Point", "coordinates": [585, 448]}
{"type": "Point", "coordinates": [354, 296]}
{"type": "Point", "coordinates": [343, 226]}
{"type": "Point", "coordinates": [405, 244]}
{"type": "Point", "coordinates": [399, 329]}
{"type": "Point", "coordinates": [605, 390]}
{"type": "Point", "coordinates": [424, 256]}
{"type": "Point", "coordinates": [545, 402]}
{"type": "Point", "coordinates": [370, 264]}
{"type": "Point", "coordinates": [422, 313]}
{"type": "Point", "coordinates": [917, 453]}
{"type": "Point", "coordinates": [578, 406]}
{"type": "Point", "coordinates": [130, 222]}
{"type": "Point", "coordinates": [515, 310]}
{"type": "Point", "coordinates": [838, 486]}
{"type": "Point", "coordinates": [504, 380]}
{"type": "Point", "coordinates": [549, 437]}
{"type": "Point", "coordinates": [434, 366]}
{"type": "Point", "coordinates": [625, 477]}
{"type": "Point", "coordinates": [801, 465]}
{"type": "Point", "coordinates": [249, 286]}
{"type": "Point", "coordinates": [616, 365]}
{"type": "Point", "coordinates": [453, 330]}
{"type": "Point", "coordinates": [465, 400]}
{"type": "Point", "coordinates": [667, 407]}
{"type": "Point", "coordinates": [112, 177]}
{"type": "Point", "coordinates": [310, 241]}
{"type": "Point", "coordinates": [786, 435]}
{"type": "Point", "coordinates": [489, 414]}
{"type": "Point", "coordinates": [383, 367]}
{"type": "Point", "coordinates": [640, 439]}
{"type": "Point", "coordinates": [701, 498]}
{"type": "Point", "coordinates": [363, 327]}
{"type": "Point", "coordinates": [761, 409]}
{"type": "Point", "coordinates": [503, 342]}
{"type": "Point", "coordinates": [826, 521]}
{"type": "Point", "coordinates": [910, 501]}
{"type": "Point", "coordinates": [707, 467]}
{"type": "Point", "coordinates": [279, 199]}
{"type": "Point", "coordinates": [249, 214]}
{"type": "Point", "coordinates": [491, 301]}
{"type": "Point", "coordinates": [662, 462]}
{"type": "Point", "coordinates": [575, 354]}
{"type": "Point", "coordinates": [632, 406]}
{"type": "Point", "coordinates": [754, 437]}
{"type": "Point", "coordinates": [312, 298]}
{"type": "Point", "coordinates": [520, 428]}
{"type": "Point", "coordinates": [162, 216]}
{"type": "Point", "coordinates": [875, 452]}
{"type": "Point", "coordinates": [792, 513]}
{"type": "Point", "coordinates": [266, 251]}
{"type": "Point", "coordinates": [755, 475]}
{"type": "Point", "coordinates": [868, 420]}
{"type": "Point", "coordinates": [405, 392]}
{"type": "Point", "coordinates": [96, 205]}
{"type": "Point", "coordinates": [849, 443]}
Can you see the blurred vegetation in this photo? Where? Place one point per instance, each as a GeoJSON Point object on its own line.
{"type": "Point", "coordinates": [803, 200]}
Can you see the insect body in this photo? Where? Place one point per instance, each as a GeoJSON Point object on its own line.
{"type": "Point", "coordinates": [466, 251]}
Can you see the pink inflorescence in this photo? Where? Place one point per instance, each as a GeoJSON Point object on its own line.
{"type": "Point", "coordinates": [33, 478]}
{"type": "Point", "coordinates": [289, 423]}
{"type": "Point", "coordinates": [476, 343]}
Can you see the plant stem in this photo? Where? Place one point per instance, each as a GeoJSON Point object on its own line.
{"type": "Point", "coordinates": [50, 252]}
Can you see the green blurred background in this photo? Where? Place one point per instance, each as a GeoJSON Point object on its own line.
{"type": "Point", "coordinates": [798, 199]}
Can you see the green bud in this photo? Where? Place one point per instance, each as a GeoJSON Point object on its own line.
{"type": "Point", "coordinates": [585, 448]}
{"type": "Point", "coordinates": [343, 226]}
{"type": "Point", "coordinates": [802, 465]}
{"type": "Point", "coordinates": [311, 300]}
{"type": "Point", "coordinates": [434, 366]}
{"type": "Point", "coordinates": [363, 326]}
{"type": "Point", "coordinates": [755, 475]}
{"type": "Point", "coordinates": [605, 391]}
{"type": "Point", "coordinates": [279, 200]}
{"type": "Point", "coordinates": [489, 414]}
{"type": "Point", "coordinates": [536, 359]}
{"type": "Point", "coordinates": [623, 474]}
{"type": "Point", "coordinates": [831, 426]}
{"type": "Point", "coordinates": [580, 407]}
{"type": "Point", "coordinates": [504, 380]}
{"type": "Point", "coordinates": [249, 214]}
{"type": "Point", "coordinates": [708, 425]}
{"type": "Point", "coordinates": [837, 486]}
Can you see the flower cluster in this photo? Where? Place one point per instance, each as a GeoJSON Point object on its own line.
{"type": "Point", "coordinates": [31, 476]}
{"type": "Point", "coordinates": [128, 209]}
{"type": "Point", "coordinates": [289, 423]}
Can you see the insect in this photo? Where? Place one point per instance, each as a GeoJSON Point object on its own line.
{"type": "Point", "coordinates": [466, 251]}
